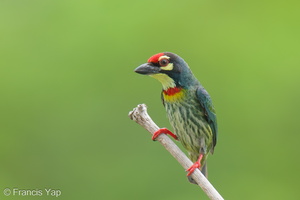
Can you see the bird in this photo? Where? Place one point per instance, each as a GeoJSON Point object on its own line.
{"type": "Point", "coordinates": [188, 106]}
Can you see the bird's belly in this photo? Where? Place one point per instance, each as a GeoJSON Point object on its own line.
{"type": "Point", "coordinates": [190, 126]}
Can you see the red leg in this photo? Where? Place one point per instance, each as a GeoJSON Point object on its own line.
{"type": "Point", "coordinates": [165, 131]}
{"type": "Point", "coordinates": [196, 165]}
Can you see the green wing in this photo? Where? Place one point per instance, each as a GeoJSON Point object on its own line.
{"type": "Point", "coordinates": [206, 104]}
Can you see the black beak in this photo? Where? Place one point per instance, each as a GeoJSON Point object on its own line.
{"type": "Point", "coordinates": [147, 69]}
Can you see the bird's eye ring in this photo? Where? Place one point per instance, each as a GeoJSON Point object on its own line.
{"type": "Point", "coordinates": [164, 62]}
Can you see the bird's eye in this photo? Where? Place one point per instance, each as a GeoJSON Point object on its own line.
{"type": "Point", "coordinates": [164, 62]}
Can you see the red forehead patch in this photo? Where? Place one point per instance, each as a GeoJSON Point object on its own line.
{"type": "Point", "coordinates": [154, 59]}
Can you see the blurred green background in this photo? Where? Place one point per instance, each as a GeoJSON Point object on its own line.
{"type": "Point", "coordinates": [67, 85]}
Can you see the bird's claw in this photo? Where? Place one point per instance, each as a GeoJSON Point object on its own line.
{"type": "Point", "coordinates": [192, 168]}
{"type": "Point", "coordinates": [165, 131]}
{"type": "Point", "coordinates": [196, 165]}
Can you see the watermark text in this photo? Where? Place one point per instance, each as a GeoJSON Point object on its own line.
{"type": "Point", "coordinates": [32, 192]}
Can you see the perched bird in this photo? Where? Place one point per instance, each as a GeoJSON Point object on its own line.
{"type": "Point", "coordinates": [188, 105]}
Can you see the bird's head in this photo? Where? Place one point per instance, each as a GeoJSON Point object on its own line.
{"type": "Point", "coordinates": [170, 69]}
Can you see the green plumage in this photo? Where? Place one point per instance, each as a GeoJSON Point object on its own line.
{"type": "Point", "coordinates": [191, 123]}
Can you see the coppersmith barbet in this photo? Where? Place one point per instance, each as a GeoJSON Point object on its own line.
{"type": "Point", "coordinates": [188, 105]}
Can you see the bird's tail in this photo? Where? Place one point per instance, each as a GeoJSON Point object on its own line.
{"type": "Point", "coordinates": [204, 170]}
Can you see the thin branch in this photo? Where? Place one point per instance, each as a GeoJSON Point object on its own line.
{"type": "Point", "coordinates": [140, 116]}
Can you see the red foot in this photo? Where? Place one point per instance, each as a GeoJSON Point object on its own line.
{"type": "Point", "coordinates": [196, 165]}
{"type": "Point", "coordinates": [165, 131]}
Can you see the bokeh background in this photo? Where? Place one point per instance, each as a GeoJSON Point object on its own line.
{"type": "Point", "coordinates": [67, 85]}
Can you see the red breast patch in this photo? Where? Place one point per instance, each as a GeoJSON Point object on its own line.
{"type": "Point", "coordinates": [172, 91]}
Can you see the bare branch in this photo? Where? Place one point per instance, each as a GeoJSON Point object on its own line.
{"type": "Point", "coordinates": [140, 116]}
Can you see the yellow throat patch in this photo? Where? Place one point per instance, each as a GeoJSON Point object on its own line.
{"type": "Point", "coordinates": [171, 93]}
{"type": "Point", "coordinates": [165, 80]}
